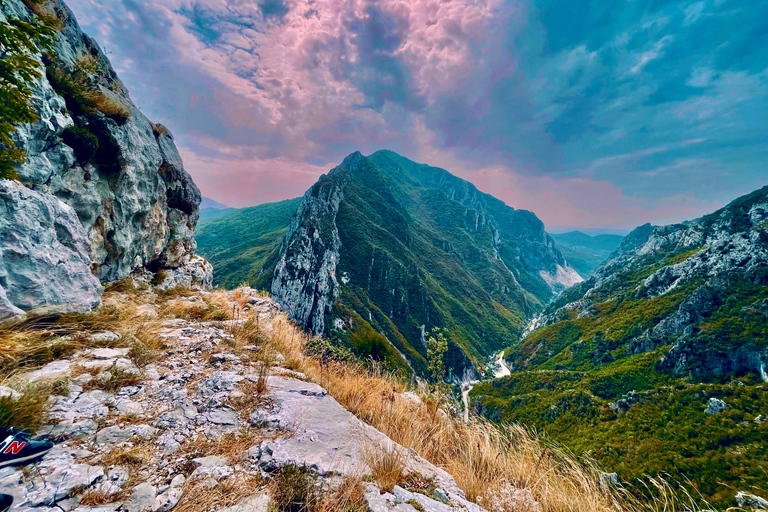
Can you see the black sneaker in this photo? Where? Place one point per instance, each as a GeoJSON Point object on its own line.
{"type": "Point", "coordinates": [6, 500]}
{"type": "Point", "coordinates": [17, 448]}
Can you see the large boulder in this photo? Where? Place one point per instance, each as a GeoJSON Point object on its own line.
{"type": "Point", "coordinates": [44, 263]}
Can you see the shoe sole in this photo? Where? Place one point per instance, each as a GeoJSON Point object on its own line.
{"type": "Point", "coordinates": [28, 458]}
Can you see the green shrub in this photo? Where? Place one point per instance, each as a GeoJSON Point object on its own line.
{"type": "Point", "coordinates": [18, 67]}
{"type": "Point", "coordinates": [296, 489]}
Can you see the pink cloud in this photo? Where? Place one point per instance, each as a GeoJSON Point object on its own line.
{"type": "Point", "coordinates": [241, 182]}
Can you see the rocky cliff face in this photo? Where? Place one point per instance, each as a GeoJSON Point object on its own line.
{"type": "Point", "coordinates": [305, 279]}
{"type": "Point", "coordinates": [382, 249]}
{"type": "Point", "coordinates": [93, 154]}
{"type": "Point", "coordinates": [658, 361]}
{"type": "Point", "coordinates": [715, 268]}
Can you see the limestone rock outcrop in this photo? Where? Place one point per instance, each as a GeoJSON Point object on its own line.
{"type": "Point", "coordinates": [43, 254]}
{"type": "Point", "coordinates": [119, 175]}
{"type": "Point", "coordinates": [715, 263]}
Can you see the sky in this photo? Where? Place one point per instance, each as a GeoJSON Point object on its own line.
{"type": "Point", "coordinates": [596, 114]}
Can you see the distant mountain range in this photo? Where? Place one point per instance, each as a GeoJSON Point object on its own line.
{"type": "Point", "coordinates": [382, 249]}
{"type": "Point", "coordinates": [584, 252]}
{"type": "Point", "coordinates": [210, 209]}
{"type": "Point", "coordinates": [207, 202]}
{"type": "Point", "coordinates": [658, 361]}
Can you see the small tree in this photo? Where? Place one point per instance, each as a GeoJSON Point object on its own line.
{"type": "Point", "coordinates": [437, 345]}
{"type": "Point", "coordinates": [18, 67]}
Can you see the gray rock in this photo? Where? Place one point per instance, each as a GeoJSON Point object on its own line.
{"type": "Point", "coordinates": [68, 430]}
{"type": "Point", "coordinates": [745, 499]}
{"type": "Point", "coordinates": [104, 337]}
{"type": "Point", "coordinates": [130, 407]}
{"type": "Point", "coordinates": [609, 479]}
{"type": "Point", "coordinates": [103, 508]}
{"type": "Point", "coordinates": [195, 272]}
{"type": "Point", "coordinates": [87, 405]}
{"type": "Point", "coordinates": [168, 443]}
{"type": "Point", "coordinates": [140, 209]}
{"type": "Point", "coordinates": [115, 434]}
{"type": "Point", "coordinates": [256, 503]}
{"type": "Point", "coordinates": [107, 354]}
{"type": "Point", "coordinates": [218, 382]}
{"type": "Point", "coordinates": [44, 262]}
{"type": "Point", "coordinates": [142, 498]}
{"type": "Point", "coordinates": [113, 482]}
{"type": "Point", "coordinates": [211, 467]}
{"type": "Point", "coordinates": [168, 499]}
{"type": "Point", "coordinates": [715, 406]}
{"type": "Point", "coordinates": [52, 371]}
{"type": "Point", "coordinates": [61, 476]}
{"type": "Point", "coordinates": [6, 391]}
{"type": "Point", "coordinates": [328, 439]}
{"type": "Point", "coordinates": [226, 417]}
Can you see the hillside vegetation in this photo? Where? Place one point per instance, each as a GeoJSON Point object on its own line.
{"type": "Point", "coordinates": [632, 365]}
{"type": "Point", "coordinates": [242, 245]}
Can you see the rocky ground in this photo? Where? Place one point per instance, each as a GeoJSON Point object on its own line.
{"type": "Point", "coordinates": [210, 425]}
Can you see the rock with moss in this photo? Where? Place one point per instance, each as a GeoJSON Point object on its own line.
{"type": "Point", "coordinates": [91, 148]}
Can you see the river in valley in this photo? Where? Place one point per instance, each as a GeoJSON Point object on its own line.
{"type": "Point", "coordinates": [500, 370]}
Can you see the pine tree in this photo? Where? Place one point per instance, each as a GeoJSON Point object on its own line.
{"type": "Point", "coordinates": [437, 345]}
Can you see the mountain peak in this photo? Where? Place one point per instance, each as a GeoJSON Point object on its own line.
{"type": "Point", "coordinates": [403, 245]}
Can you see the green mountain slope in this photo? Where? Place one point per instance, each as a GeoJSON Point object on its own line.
{"type": "Point", "coordinates": [243, 245]}
{"type": "Point", "coordinates": [584, 252]}
{"type": "Point", "coordinates": [382, 248]}
{"type": "Point", "coordinates": [212, 213]}
{"type": "Point", "coordinates": [625, 365]}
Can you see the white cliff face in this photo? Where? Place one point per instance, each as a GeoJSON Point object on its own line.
{"type": "Point", "coordinates": [44, 263]}
{"type": "Point", "coordinates": [138, 210]}
{"type": "Point", "coordinates": [305, 282]}
{"type": "Point", "coordinates": [563, 277]}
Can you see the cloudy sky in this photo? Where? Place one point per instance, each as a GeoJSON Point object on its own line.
{"type": "Point", "coordinates": [590, 113]}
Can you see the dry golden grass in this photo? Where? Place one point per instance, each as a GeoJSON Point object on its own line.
{"type": "Point", "coordinates": [94, 498]}
{"type": "Point", "coordinates": [252, 396]}
{"type": "Point", "coordinates": [132, 457]}
{"type": "Point", "coordinates": [348, 496]}
{"type": "Point", "coordinates": [27, 411]}
{"type": "Point", "coordinates": [159, 129]}
{"type": "Point", "coordinates": [232, 446]}
{"type": "Point", "coordinates": [109, 105]}
{"type": "Point", "coordinates": [482, 457]}
{"type": "Point", "coordinates": [200, 498]}
{"type": "Point", "coordinates": [118, 379]}
{"type": "Point", "coordinates": [387, 466]}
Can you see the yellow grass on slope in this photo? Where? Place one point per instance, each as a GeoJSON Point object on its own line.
{"type": "Point", "coordinates": [488, 462]}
